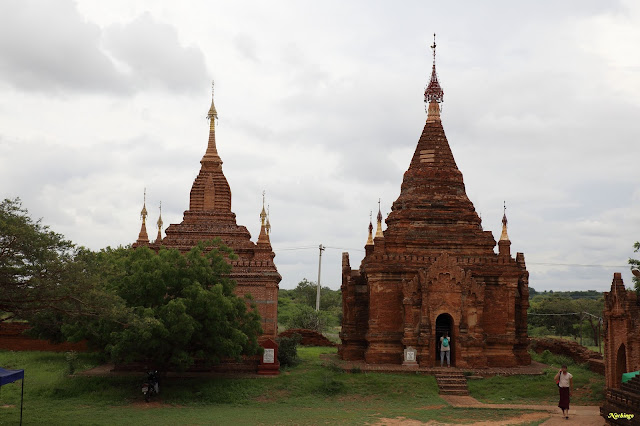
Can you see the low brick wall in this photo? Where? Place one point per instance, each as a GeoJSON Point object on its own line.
{"type": "Point", "coordinates": [309, 337]}
{"type": "Point", "coordinates": [579, 354]}
{"type": "Point", "coordinates": [12, 338]}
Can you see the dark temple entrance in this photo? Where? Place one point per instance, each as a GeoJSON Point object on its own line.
{"type": "Point", "coordinates": [444, 323]}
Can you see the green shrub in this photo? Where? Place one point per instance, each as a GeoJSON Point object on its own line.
{"type": "Point", "coordinates": [288, 350]}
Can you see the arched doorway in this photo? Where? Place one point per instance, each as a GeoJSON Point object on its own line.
{"type": "Point", "coordinates": [444, 323]}
{"type": "Point", "coordinates": [621, 364]}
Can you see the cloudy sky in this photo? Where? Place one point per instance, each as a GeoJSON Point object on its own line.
{"type": "Point", "coordinates": [320, 105]}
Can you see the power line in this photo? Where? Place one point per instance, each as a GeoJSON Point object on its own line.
{"type": "Point", "coordinates": [576, 264]}
{"type": "Point", "coordinates": [294, 248]}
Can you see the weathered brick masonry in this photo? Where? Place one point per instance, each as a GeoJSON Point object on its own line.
{"type": "Point", "coordinates": [209, 216]}
{"type": "Point", "coordinates": [433, 270]}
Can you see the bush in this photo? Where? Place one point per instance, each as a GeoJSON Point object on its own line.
{"type": "Point", "coordinates": [308, 318]}
{"type": "Point", "coordinates": [288, 350]}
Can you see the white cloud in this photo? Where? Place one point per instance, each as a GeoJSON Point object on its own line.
{"type": "Point", "coordinates": [320, 105]}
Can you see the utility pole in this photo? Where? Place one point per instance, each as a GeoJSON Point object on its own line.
{"type": "Point", "coordinates": [321, 247]}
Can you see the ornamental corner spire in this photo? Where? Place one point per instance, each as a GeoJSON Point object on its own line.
{"type": "Point", "coordinates": [159, 223]}
{"type": "Point", "coordinates": [433, 94]}
{"type": "Point", "coordinates": [267, 227]}
{"type": "Point", "coordinates": [379, 229]}
{"type": "Point", "coordinates": [143, 237]}
{"type": "Point", "coordinates": [504, 236]}
{"type": "Point", "coordinates": [264, 223]}
{"type": "Point", "coordinates": [370, 239]}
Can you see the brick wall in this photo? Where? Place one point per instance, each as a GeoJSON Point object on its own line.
{"type": "Point", "coordinates": [12, 338]}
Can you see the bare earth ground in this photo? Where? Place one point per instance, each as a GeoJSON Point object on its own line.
{"type": "Point", "coordinates": [582, 415]}
{"type": "Point", "coordinates": [585, 415]}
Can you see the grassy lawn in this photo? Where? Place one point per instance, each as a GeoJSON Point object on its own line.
{"type": "Point", "coordinates": [588, 386]}
{"type": "Point", "coordinates": [307, 394]}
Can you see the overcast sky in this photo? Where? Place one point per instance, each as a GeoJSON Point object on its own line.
{"type": "Point", "coordinates": [320, 104]}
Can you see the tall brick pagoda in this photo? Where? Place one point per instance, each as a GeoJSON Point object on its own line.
{"type": "Point", "coordinates": [209, 216]}
{"type": "Point", "coordinates": [434, 270]}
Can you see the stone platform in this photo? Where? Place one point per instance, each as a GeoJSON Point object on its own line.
{"type": "Point", "coordinates": [534, 369]}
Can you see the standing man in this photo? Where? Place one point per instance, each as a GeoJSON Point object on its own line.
{"type": "Point", "coordinates": [445, 349]}
{"type": "Point", "coordinates": [564, 379]}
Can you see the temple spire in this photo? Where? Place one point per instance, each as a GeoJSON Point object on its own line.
{"type": "Point", "coordinates": [267, 227]}
{"type": "Point", "coordinates": [212, 152]}
{"type": "Point", "coordinates": [504, 244]}
{"type": "Point", "coordinates": [143, 238]}
{"type": "Point", "coordinates": [159, 223]}
{"type": "Point", "coordinates": [433, 94]}
{"type": "Point", "coordinates": [264, 234]}
{"type": "Point", "coordinates": [379, 230]}
{"type": "Point", "coordinates": [370, 239]}
{"type": "Point", "coordinates": [504, 236]}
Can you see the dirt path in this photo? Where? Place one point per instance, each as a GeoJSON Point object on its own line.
{"type": "Point", "coordinates": [584, 415]}
{"type": "Point", "coordinates": [524, 418]}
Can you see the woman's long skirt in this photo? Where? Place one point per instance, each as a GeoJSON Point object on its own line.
{"type": "Point", "coordinates": [564, 398]}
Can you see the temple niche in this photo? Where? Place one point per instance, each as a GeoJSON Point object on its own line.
{"type": "Point", "coordinates": [434, 270]}
{"type": "Point", "coordinates": [209, 216]}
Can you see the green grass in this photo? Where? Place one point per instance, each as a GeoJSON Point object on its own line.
{"type": "Point", "coordinates": [588, 386]}
{"type": "Point", "coordinates": [310, 393]}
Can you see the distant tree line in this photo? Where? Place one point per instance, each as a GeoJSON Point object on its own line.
{"type": "Point", "coordinates": [296, 307]}
{"type": "Point", "coordinates": [566, 314]}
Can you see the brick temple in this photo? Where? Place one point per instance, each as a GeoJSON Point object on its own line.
{"type": "Point", "coordinates": [209, 216]}
{"type": "Point", "coordinates": [434, 270]}
{"type": "Point", "coordinates": [621, 319]}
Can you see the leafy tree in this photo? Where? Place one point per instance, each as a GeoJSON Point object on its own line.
{"type": "Point", "coordinates": [563, 315]}
{"type": "Point", "coordinates": [635, 264]}
{"type": "Point", "coordinates": [172, 310]}
{"type": "Point", "coordinates": [288, 350]}
{"type": "Point", "coordinates": [306, 293]}
{"type": "Point", "coordinates": [39, 271]}
{"type": "Point", "coordinates": [296, 307]}
{"type": "Point", "coordinates": [549, 312]}
{"type": "Point", "coordinates": [305, 317]}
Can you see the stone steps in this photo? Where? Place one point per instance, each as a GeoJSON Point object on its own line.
{"type": "Point", "coordinates": [452, 383]}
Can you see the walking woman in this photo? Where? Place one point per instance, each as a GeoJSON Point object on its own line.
{"type": "Point", "coordinates": [564, 379]}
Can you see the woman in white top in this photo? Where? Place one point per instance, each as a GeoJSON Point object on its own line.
{"type": "Point", "coordinates": [564, 379]}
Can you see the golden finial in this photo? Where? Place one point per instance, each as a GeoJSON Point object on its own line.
{"type": "Point", "coordinates": [370, 239]}
{"type": "Point", "coordinates": [143, 213]}
{"type": "Point", "coordinates": [213, 114]}
{"type": "Point", "coordinates": [143, 238]}
{"type": "Point", "coordinates": [379, 230]}
{"type": "Point", "coordinates": [159, 222]}
{"type": "Point", "coordinates": [263, 213]}
{"type": "Point", "coordinates": [160, 218]}
{"type": "Point", "coordinates": [504, 236]}
{"type": "Point", "coordinates": [267, 227]}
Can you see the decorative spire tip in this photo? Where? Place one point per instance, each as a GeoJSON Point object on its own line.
{"type": "Point", "coordinates": [433, 92]}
